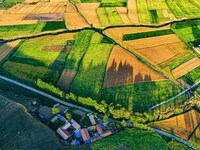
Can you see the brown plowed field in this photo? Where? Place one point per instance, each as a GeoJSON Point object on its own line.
{"type": "Point", "coordinates": [182, 125]}
{"type": "Point", "coordinates": [118, 33]}
{"type": "Point", "coordinates": [45, 17]}
{"type": "Point", "coordinates": [75, 20]}
{"type": "Point", "coordinates": [152, 41]}
{"type": "Point", "coordinates": [66, 79]}
{"type": "Point", "coordinates": [186, 67]}
{"type": "Point", "coordinates": [122, 11]}
{"type": "Point", "coordinates": [7, 48]}
{"type": "Point", "coordinates": [157, 54]}
{"type": "Point", "coordinates": [91, 13]}
{"type": "Point", "coordinates": [57, 48]}
{"type": "Point", "coordinates": [124, 68]}
{"type": "Point", "coordinates": [132, 11]}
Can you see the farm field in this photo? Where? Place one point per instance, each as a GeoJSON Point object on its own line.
{"type": "Point", "coordinates": [182, 125]}
{"type": "Point", "coordinates": [141, 96]}
{"type": "Point", "coordinates": [121, 140]}
{"type": "Point", "coordinates": [165, 51]}
{"type": "Point", "coordinates": [186, 67]}
{"type": "Point", "coordinates": [39, 8]}
{"type": "Point", "coordinates": [188, 31]}
{"type": "Point", "coordinates": [45, 17]}
{"type": "Point", "coordinates": [90, 14]}
{"type": "Point", "coordinates": [75, 20]}
{"type": "Point", "coordinates": [31, 130]}
{"type": "Point", "coordinates": [30, 63]}
{"type": "Point", "coordinates": [132, 11]}
{"type": "Point", "coordinates": [7, 48]}
{"type": "Point", "coordinates": [118, 33]}
{"type": "Point", "coordinates": [29, 29]}
{"type": "Point", "coordinates": [124, 68]}
{"type": "Point", "coordinates": [90, 76]}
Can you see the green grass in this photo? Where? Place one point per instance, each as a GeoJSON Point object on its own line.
{"type": "Point", "coordinates": [135, 36]}
{"type": "Point", "coordinates": [89, 79]}
{"type": "Point", "coordinates": [5, 4]}
{"type": "Point", "coordinates": [113, 16]}
{"type": "Point", "coordinates": [78, 50]}
{"type": "Point", "coordinates": [140, 97]}
{"type": "Point", "coordinates": [19, 130]}
{"type": "Point", "coordinates": [173, 145]}
{"type": "Point", "coordinates": [131, 139]}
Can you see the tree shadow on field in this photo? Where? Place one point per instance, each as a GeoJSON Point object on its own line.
{"type": "Point", "coordinates": [119, 74]}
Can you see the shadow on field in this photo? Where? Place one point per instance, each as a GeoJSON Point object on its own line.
{"type": "Point", "coordinates": [120, 73]}
{"type": "Point", "coordinates": [196, 34]}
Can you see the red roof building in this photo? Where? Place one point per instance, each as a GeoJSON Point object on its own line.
{"type": "Point", "coordinates": [99, 129]}
{"type": "Point", "coordinates": [85, 134]}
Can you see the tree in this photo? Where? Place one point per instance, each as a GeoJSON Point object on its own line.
{"type": "Point", "coordinates": [105, 118]}
{"type": "Point", "coordinates": [55, 110]}
{"type": "Point", "coordinates": [123, 123]}
{"type": "Point", "coordinates": [68, 115]}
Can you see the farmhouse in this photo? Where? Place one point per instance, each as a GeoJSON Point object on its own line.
{"type": "Point", "coordinates": [75, 125]}
{"type": "Point", "coordinates": [92, 119]}
{"type": "Point", "coordinates": [45, 113]}
{"type": "Point", "coordinates": [85, 135]}
{"type": "Point", "coordinates": [63, 133]}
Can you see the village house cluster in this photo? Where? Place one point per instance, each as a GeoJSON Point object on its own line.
{"type": "Point", "coordinates": [70, 130]}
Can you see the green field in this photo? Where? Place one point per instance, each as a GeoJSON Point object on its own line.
{"type": "Point", "coordinates": [192, 76]}
{"type": "Point", "coordinates": [188, 31]}
{"type": "Point", "coordinates": [140, 97]}
{"type": "Point", "coordinates": [131, 139]}
{"type": "Point", "coordinates": [19, 130]}
{"type": "Point", "coordinates": [5, 4]}
{"type": "Point", "coordinates": [183, 8]}
{"type": "Point", "coordinates": [82, 41]}
{"type": "Point", "coordinates": [24, 30]}
{"type": "Point", "coordinates": [103, 16]}
{"type": "Point", "coordinates": [135, 36]}
{"type": "Point", "coordinates": [90, 76]}
{"type": "Point", "coordinates": [143, 12]}
{"type": "Point", "coordinates": [113, 16]}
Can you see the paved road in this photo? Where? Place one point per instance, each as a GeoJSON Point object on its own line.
{"type": "Point", "coordinates": [180, 94]}
{"type": "Point", "coordinates": [50, 97]}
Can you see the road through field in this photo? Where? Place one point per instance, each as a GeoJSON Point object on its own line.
{"type": "Point", "coordinates": [173, 98]}
{"type": "Point", "coordinates": [49, 96]}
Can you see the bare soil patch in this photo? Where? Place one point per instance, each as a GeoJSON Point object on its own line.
{"type": "Point", "coordinates": [66, 79]}
{"type": "Point", "coordinates": [45, 17]}
{"type": "Point", "coordinates": [123, 12]}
